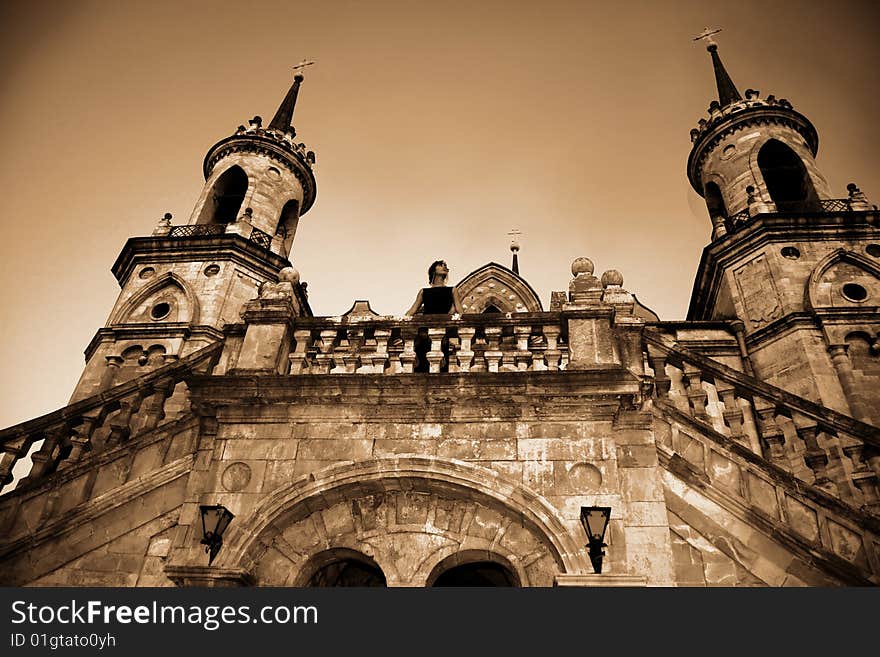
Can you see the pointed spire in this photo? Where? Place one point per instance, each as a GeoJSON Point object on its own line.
{"type": "Point", "coordinates": [727, 91]}
{"type": "Point", "coordinates": [283, 119]}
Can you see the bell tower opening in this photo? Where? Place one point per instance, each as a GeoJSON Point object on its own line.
{"type": "Point", "coordinates": [787, 179]}
{"type": "Point", "coordinates": [714, 201]}
{"type": "Point", "coordinates": [224, 204]}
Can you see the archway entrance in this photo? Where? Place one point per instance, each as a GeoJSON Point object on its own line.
{"type": "Point", "coordinates": [343, 568]}
{"type": "Point", "coordinates": [480, 573]}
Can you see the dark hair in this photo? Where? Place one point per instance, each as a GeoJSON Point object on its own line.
{"type": "Point", "coordinates": [433, 268]}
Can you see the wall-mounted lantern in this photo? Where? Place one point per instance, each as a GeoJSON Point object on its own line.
{"type": "Point", "coordinates": [595, 522]}
{"type": "Point", "coordinates": [215, 520]}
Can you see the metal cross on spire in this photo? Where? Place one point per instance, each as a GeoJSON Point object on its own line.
{"type": "Point", "coordinates": [707, 35]}
{"type": "Point", "coordinates": [298, 69]}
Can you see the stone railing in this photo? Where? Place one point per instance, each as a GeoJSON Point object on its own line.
{"type": "Point", "coordinates": [822, 447]}
{"type": "Point", "coordinates": [101, 421]}
{"type": "Point", "coordinates": [471, 343]}
{"type": "Point", "coordinates": [730, 475]}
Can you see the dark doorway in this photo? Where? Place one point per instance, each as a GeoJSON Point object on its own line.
{"type": "Point", "coordinates": [481, 573]}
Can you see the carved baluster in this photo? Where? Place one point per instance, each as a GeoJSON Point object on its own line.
{"type": "Point", "coordinates": [465, 353]}
{"type": "Point", "coordinates": [662, 382]}
{"type": "Point", "coordinates": [408, 355]}
{"type": "Point", "coordinates": [693, 382]}
{"type": "Point", "coordinates": [435, 354]}
{"type": "Point", "coordinates": [771, 434]}
{"type": "Point", "coordinates": [299, 363]}
{"type": "Point", "coordinates": [80, 441]}
{"type": "Point", "coordinates": [814, 456]}
{"type": "Point", "coordinates": [523, 357]}
{"type": "Point", "coordinates": [346, 351]}
{"type": "Point", "coordinates": [732, 413]}
{"type": "Point", "coordinates": [120, 423]}
{"type": "Point", "coordinates": [13, 450]}
{"type": "Point", "coordinates": [493, 352]}
{"type": "Point", "coordinates": [155, 408]}
{"type": "Point", "coordinates": [552, 353]}
{"type": "Point", "coordinates": [379, 357]}
{"type": "Point", "coordinates": [863, 478]}
{"type": "Point", "coordinates": [324, 358]}
{"type": "Point", "coordinates": [42, 458]}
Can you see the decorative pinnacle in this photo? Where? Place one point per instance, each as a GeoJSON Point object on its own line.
{"type": "Point", "coordinates": [283, 119]}
{"type": "Point", "coordinates": [727, 91]}
{"type": "Point", "coordinates": [514, 248]}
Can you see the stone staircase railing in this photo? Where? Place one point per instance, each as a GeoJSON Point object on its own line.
{"type": "Point", "coordinates": [104, 420]}
{"type": "Point", "coordinates": [817, 445]}
{"type": "Point", "coordinates": [471, 343]}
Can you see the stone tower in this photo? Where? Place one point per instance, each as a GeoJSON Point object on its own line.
{"type": "Point", "coordinates": [180, 286]}
{"type": "Point", "coordinates": [797, 268]}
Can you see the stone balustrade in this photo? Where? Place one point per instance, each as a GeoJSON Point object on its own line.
{"type": "Point", "coordinates": [61, 439]}
{"type": "Point", "coordinates": [819, 446]}
{"type": "Point", "coordinates": [532, 342]}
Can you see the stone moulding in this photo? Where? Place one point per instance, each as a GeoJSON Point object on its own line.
{"type": "Point", "coordinates": [534, 511]}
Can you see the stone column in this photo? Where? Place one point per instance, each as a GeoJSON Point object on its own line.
{"type": "Point", "coordinates": [843, 367]}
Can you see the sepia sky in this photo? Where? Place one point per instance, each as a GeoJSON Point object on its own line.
{"type": "Point", "coordinates": [438, 127]}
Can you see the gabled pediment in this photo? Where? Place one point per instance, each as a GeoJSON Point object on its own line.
{"type": "Point", "coordinates": [494, 287]}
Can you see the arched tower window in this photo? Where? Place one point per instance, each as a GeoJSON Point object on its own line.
{"type": "Point", "coordinates": [787, 179]}
{"type": "Point", "coordinates": [223, 205]}
{"type": "Point", "coordinates": [287, 223]}
{"type": "Point", "coordinates": [714, 200]}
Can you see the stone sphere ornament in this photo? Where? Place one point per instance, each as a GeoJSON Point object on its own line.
{"type": "Point", "coordinates": [288, 275]}
{"type": "Point", "coordinates": [612, 277]}
{"type": "Point", "coordinates": [582, 266]}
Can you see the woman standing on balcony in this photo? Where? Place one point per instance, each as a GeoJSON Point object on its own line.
{"type": "Point", "coordinates": [438, 299]}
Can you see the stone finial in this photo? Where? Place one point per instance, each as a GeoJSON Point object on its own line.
{"type": "Point", "coordinates": [857, 198]}
{"type": "Point", "coordinates": [582, 266]}
{"type": "Point", "coordinates": [288, 275]}
{"type": "Point", "coordinates": [612, 277]}
{"type": "Point", "coordinates": [255, 123]}
{"type": "Point", "coordinates": [755, 205]}
{"type": "Point", "coordinates": [584, 288]}
{"type": "Point", "coordinates": [695, 134]}
{"type": "Point", "coordinates": [164, 226]}
{"type": "Point", "coordinates": [752, 93]}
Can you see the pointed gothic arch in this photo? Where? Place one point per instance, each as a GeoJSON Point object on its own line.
{"type": "Point", "coordinates": [714, 200]}
{"type": "Point", "coordinates": [189, 314]}
{"type": "Point", "coordinates": [496, 286]}
{"type": "Point", "coordinates": [786, 178]}
{"type": "Point", "coordinates": [223, 203]}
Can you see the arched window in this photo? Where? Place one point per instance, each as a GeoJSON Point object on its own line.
{"type": "Point", "coordinates": [787, 179]}
{"type": "Point", "coordinates": [479, 573]}
{"type": "Point", "coordinates": [223, 205]}
{"type": "Point", "coordinates": [714, 200]}
{"type": "Point", "coordinates": [287, 223]}
{"type": "Point", "coordinates": [343, 567]}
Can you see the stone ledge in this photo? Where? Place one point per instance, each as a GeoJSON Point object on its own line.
{"type": "Point", "coordinates": [208, 576]}
{"type": "Point", "coordinates": [609, 580]}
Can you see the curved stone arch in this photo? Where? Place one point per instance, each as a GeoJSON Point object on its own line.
{"type": "Point", "coordinates": [200, 214]}
{"type": "Point", "coordinates": [475, 286]}
{"type": "Point", "coordinates": [326, 557]}
{"type": "Point", "coordinates": [464, 557]}
{"type": "Point", "coordinates": [249, 539]}
{"type": "Point", "coordinates": [165, 280]}
{"type": "Point", "coordinates": [811, 292]}
{"type": "Point", "coordinates": [801, 150]}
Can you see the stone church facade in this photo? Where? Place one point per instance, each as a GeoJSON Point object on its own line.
{"type": "Point", "coordinates": [737, 448]}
